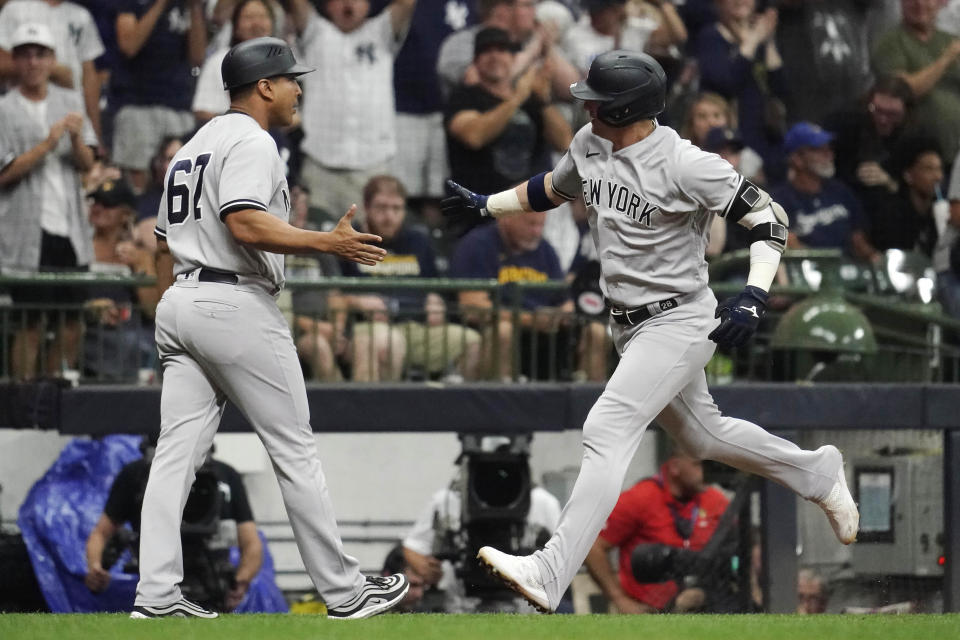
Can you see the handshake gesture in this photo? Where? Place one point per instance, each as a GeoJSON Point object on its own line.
{"type": "Point", "coordinates": [463, 204]}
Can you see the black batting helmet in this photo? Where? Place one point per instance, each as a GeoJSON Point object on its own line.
{"type": "Point", "coordinates": [629, 86]}
{"type": "Point", "coordinates": [259, 58]}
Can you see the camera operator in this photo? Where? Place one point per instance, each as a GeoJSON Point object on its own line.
{"type": "Point", "coordinates": [438, 548]}
{"type": "Point", "coordinates": [206, 554]}
{"type": "Point", "coordinates": [413, 602]}
{"type": "Point", "coordinates": [672, 509]}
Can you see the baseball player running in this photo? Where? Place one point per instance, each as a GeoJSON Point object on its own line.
{"type": "Point", "coordinates": [651, 197]}
{"type": "Point", "coordinates": [221, 224]}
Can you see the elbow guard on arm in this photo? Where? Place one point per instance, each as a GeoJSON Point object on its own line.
{"type": "Point", "coordinates": [768, 239]}
{"type": "Point", "coordinates": [753, 209]}
{"type": "Point", "coordinates": [740, 315]}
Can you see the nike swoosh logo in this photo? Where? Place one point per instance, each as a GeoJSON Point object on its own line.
{"type": "Point", "coordinates": [590, 155]}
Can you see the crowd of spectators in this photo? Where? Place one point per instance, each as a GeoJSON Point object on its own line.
{"type": "Point", "coordinates": [847, 111]}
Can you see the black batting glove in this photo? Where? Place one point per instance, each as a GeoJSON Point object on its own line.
{"type": "Point", "coordinates": [462, 203]}
{"type": "Point", "coordinates": [739, 317]}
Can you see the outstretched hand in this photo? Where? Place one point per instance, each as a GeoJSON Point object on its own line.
{"type": "Point", "coordinates": [350, 244]}
{"type": "Point", "coordinates": [461, 203]}
{"type": "Point", "coordinates": [739, 317]}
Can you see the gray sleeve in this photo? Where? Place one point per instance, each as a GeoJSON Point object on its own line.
{"type": "Point", "coordinates": [566, 178]}
{"type": "Point", "coordinates": [456, 54]}
{"type": "Point", "coordinates": [244, 184]}
{"type": "Point", "coordinates": [953, 189]}
{"type": "Point", "coordinates": [707, 179]}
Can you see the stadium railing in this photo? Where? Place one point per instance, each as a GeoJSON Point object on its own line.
{"type": "Point", "coordinates": [829, 319]}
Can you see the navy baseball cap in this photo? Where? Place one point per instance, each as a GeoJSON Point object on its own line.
{"type": "Point", "coordinates": [593, 6]}
{"type": "Point", "coordinates": [805, 134]}
{"type": "Point", "coordinates": [720, 138]}
{"type": "Point", "coordinates": [493, 38]}
{"type": "Point", "coordinates": [113, 193]}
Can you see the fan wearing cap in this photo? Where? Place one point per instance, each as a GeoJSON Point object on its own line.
{"type": "Point", "coordinates": [823, 212]}
{"type": "Point", "coordinates": [455, 59]}
{"type": "Point", "coordinates": [75, 39]}
{"type": "Point", "coordinates": [118, 338]}
{"type": "Point", "coordinates": [499, 131]}
{"type": "Point", "coordinates": [112, 213]}
{"type": "Point", "coordinates": [45, 143]}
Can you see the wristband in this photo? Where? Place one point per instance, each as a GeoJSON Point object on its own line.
{"type": "Point", "coordinates": [537, 193]}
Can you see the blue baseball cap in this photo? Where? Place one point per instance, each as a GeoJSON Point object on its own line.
{"type": "Point", "coordinates": [719, 138]}
{"type": "Point", "coordinates": [805, 134]}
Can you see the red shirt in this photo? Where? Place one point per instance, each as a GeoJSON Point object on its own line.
{"type": "Point", "coordinates": [643, 515]}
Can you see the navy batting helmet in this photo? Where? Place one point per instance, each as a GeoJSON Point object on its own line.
{"type": "Point", "coordinates": [629, 86]}
{"type": "Point", "coordinates": [259, 58]}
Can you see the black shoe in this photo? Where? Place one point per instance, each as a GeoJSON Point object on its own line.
{"type": "Point", "coordinates": [376, 596]}
{"type": "Point", "coordinates": [182, 608]}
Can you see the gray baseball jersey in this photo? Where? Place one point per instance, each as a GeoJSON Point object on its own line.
{"type": "Point", "coordinates": [219, 340]}
{"type": "Point", "coordinates": [229, 165]}
{"type": "Point", "coordinates": [650, 208]}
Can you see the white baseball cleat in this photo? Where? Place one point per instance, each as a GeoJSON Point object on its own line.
{"type": "Point", "coordinates": [840, 508]}
{"type": "Point", "coordinates": [520, 573]}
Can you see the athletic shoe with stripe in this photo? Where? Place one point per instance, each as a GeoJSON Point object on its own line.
{"type": "Point", "coordinates": [182, 608]}
{"type": "Point", "coordinates": [376, 596]}
{"type": "Point", "coordinates": [520, 573]}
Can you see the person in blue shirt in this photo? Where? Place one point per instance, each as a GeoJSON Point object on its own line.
{"type": "Point", "coordinates": [823, 212]}
{"type": "Point", "coordinates": [513, 250]}
{"type": "Point", "coordinates": [405, 328]}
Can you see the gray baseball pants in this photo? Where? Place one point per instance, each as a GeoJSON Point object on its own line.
{"type": "Point", "coordinates": [661, 376]}
{"type": "Point", "coordinates": [219, 342]}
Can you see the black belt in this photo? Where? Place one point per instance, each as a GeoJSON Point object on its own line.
{"type": "Point", "coordinates": [638, 315]}
{"type": "Point", "coordinates": [212, 275]}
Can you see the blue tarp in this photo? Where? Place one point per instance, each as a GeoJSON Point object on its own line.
{"type": "Point", "coordinates": [60, 512]}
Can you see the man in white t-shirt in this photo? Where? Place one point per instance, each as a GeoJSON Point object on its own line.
{"type": "Point", "coordinates": [76, 41]}
{"type": "Point", "coordinates": [348, 108]}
